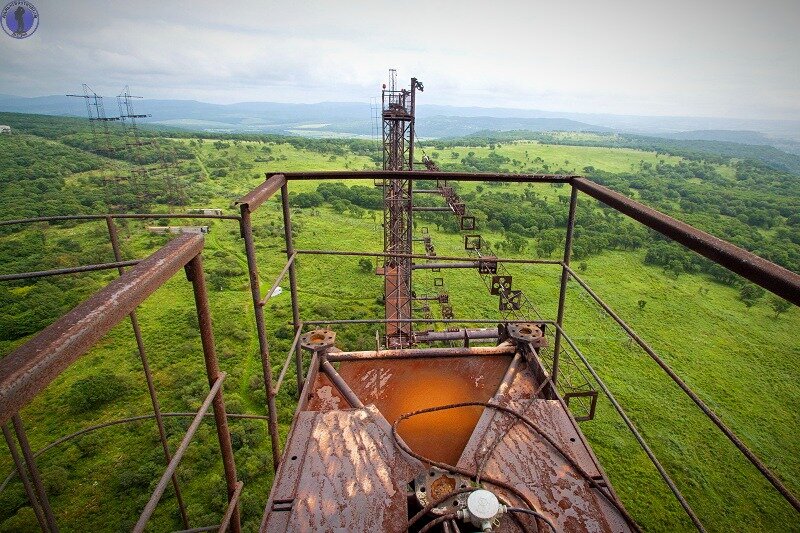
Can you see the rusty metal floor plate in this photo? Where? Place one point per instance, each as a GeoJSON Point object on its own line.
{"type": "Point", "coordinates": [399, 386]}
{"type": "Point", "coordinates": [526, 461]}
{"type": "Point", "coordinates": [341, 472]}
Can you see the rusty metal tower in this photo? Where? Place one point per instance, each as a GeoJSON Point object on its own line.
{"type": "Point", "coordinates": [398, 155]}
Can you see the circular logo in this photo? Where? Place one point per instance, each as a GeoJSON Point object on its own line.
{"type": "Point", "coordinates": [19, 19]}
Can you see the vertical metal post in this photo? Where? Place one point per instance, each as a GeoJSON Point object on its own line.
{"type": "Point", "coordinates": [562, 295]}
{"type": "Point", "coordinates": [20, 467]}
{"type": "Point", "coordinates": [287, 230]}
{"type": "Point", "coordinates": [194, 270]}
{"type": "Point", "coordinates": [137, 333]}
{"type": "Point", "coordinates": [30, 461]}
{"type": "Point", "coordinates": [266, 366]}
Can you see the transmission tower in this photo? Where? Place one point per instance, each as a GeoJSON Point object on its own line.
{"type": "Point", "coordinates": [398, 154]}
{"type": "Point", "coordinates": [97, 114]}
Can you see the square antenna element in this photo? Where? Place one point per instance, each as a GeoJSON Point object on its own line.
{"type": "Point", "coordinates": [510, 301]}
{"type": "Point", "coordinates": [467, 223]}
{"type": "Point", "coordinates": [500, 284]}
{"type": "Point", "coordinates": [592, 395]}
{"type": "Point", "coordinates": [472, 242]}
{"type": "Point", "coordinates": [438, 282]}
{"type": "Point", "coordinates": [487, 265]}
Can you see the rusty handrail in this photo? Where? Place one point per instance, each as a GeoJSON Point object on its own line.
{"type": "Point", "coordinates": [30, 368]}
{"type": "Point", "coordinates": [145, 216]}
{"type": "Point", "coordinates": [765, 471]}
{"type": "Point", "coordinates": [178, 455]}
{"type": "Point", "coordinates": [768, 275]}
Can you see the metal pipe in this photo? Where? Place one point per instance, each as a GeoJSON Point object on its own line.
{"type": "Point", "coordinates": [176, 459]}
{"type": "Point", "coordinates": [32, 366]}
{"type": "Point", "coordinates": [765, 471]}
{"type": "Point", "coordinates": [341, 384]}
{"type": "Point", "coordinates": [425, 256]}
{"type": "Point", "coordinates": [70, 270]}
{"type": "Point", "coordinates": [427, 320]}
{"type": "Point", "coordinates": [287, 231]}
{"type": "Point", "coordinates": [770, 276]}
{"type": "Point", "coordinates": [278, 280]}
{"type": "Point", "coordinates": [429, 266]}
{"type": "Point", "coordinates": [33, 470]}
{"type": "Point", "coordinates": [425, 175]}
{"type": "Point", "coordinates": [194, 270]}
{"type": "Point", "coordinates": [628, 422]}
{"type": "Point", "coordinates": [288, 359]}
{"type": "Point", "coordinates": [63, 218]}
{"type": "Point", "coordinates": [562, 293]}
{"type": "Point", "coordinates": [474, 334]}
{"type": "Point", "coordinates": [410, 353]}
{"type": "Point", "coordinates": [151, 390]}
{"type": "Point", "coordinates": [263, 343]}
{"type": "Point", "coordinates": [232, 505]}
{"type": "Point", "coordinates": [252, 200]}
{"type": "Point", "coordinates": [20, 469]}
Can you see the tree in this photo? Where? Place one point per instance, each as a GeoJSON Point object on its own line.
{"type": "Point", "coordinates": [779, 305]}
{"type": "Point", "coordinates": [750, 294]}
{"type": "Point", "coordinates": [365, 265]}
{"type": "Point", "coordinates": [583, 266]}
{"type": "Point", "coordinates": [642, 303]}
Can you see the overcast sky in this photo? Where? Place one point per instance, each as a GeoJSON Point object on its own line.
{"type": "Point", "coordinates": [729, 58]}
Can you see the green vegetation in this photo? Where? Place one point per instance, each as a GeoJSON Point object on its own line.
{"type": "Point", "coordinates": [735, 345]}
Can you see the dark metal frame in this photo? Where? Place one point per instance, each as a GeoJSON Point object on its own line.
{"type": "Point", "coordinates": [782, 282]}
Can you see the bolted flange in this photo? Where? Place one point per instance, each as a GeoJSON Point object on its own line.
{"type": "Point", "coordinates": [318, 340]}
{"type": "Point", "coordinates": [527, 332]}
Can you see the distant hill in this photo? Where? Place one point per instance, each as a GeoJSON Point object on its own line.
{"type": "Point", "coordinates": [348, 119]}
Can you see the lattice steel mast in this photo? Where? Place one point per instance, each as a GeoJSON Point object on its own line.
{"type": "Point", "coordinates": [398, 154]}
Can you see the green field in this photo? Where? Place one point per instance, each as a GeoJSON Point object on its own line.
{"type": "Point", "coordinates": [741, 360]}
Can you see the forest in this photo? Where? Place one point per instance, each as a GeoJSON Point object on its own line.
{"type": "Point", "coordinates": [58, 166]}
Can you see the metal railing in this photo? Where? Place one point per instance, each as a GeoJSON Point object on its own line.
{"type": "Point", "coordinates": [780, 281]}
{"type": "Point", "coordinates": [29, 369]}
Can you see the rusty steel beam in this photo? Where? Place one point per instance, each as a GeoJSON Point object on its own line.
{"type": "Point", "coordinates": [33, 470]}
{"type": "Point", "coordinates": [562, 293]}
{"type": "Point", "coordinates": [262, 193]}
{"type": "Point", "coordinates": [232, 506]}
{"type": "Point", "coordinates": [194, 271]}
{"type": "Point", "coordinates": [413, 353]}
{"type": "Point", "coordinates": [278, 280]}
{"type": "Point", "coordinates": [31, 367]}
{"type": "Point", "coordinates": [752, 457]}
{"type": "Point", "coordinates": [151, 389]}
{"type": "Point", "coordinates": [176, 458]}
{"type": "Point", "coordinates": [426, 175]}
{"type": "Point", "coordinates": [246, 228]}
{"type": "Point", "coordinates": [26, 483]}
{"type": "Point", "coordinates": [770, 276]}
{"type": "Point", "coordinates": [70, 270]}
{"type": "Point", "coordinates": [285, 368]}
{"type": "Point", "coordinates": [63, 218]}
{"type": "Point", "coordinates": [290, 255]}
